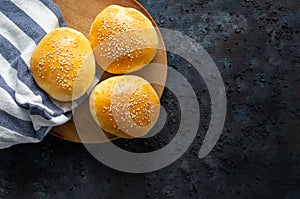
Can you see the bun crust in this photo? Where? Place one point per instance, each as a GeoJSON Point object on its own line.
{"type": "Point", "coordinates": [63, 64]}
{"type": "Point", "coordinates": [126, 106]}
{"type": "Point", "coordinates": [123, 39]}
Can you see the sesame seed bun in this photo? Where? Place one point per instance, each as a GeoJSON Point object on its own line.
{"type": "Point", "coordinates": [63, 64]}
{"type": "Point", "coordinates": [123, 39]}
{"type": "Point", "coordinates": [126, 106]}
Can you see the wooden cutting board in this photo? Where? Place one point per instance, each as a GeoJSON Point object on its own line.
{"type": "Point", "coordinates": [80, 14]}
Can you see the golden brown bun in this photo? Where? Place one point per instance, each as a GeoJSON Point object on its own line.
{"type": "Point", "coordinates": [126, 106]}
{"type": "Point", "coordinates": [63, 64]}
{"type": "Point", "coordinates": [123, 39]}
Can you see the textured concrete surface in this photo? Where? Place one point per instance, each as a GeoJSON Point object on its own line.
{"type": "Point", "coordinates": [255, 45]}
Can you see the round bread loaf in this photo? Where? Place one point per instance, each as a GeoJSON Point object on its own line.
{"type": "Point", "coordinates": [126, 106]}
{"type": "Point", "coordinates": [63, 64]}
{"type": "Point", "coordinates": [123, 39]}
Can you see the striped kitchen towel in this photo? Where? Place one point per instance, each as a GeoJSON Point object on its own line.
{"type": "Point", "coordinates": [27, 113]}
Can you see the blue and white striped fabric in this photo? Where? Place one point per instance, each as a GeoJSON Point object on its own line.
{"type": "Point", "coordinates": [26, 112]}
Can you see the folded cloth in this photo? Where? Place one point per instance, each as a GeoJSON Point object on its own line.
{"type": "Point", "coordinates": [27, 113]}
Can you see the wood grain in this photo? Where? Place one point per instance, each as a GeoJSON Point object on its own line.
{"type": "Point", "coordinates": [80, 16]}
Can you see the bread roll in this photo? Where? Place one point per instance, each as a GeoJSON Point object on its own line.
{"type": "Point", "coordinates": [126, 106]}
{"type": "Point", "coordinates": [123, 39]}
{"type": "Point", "coordinates": [63, 64]}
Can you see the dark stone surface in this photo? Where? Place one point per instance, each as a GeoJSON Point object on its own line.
{"type": "Point", "coordinates": [255, 45]}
